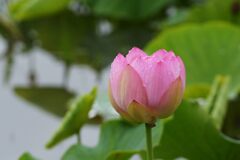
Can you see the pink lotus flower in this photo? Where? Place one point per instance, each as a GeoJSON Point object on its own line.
{"type": "Point", "coordinates": [143, 88]}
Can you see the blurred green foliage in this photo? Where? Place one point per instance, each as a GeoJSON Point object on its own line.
{"type": "Point", "coordinates": [28, 9]}
{"type": "Point", "coordinates": [133, 10]}
{"type": "Point", "coordinates": [27, 156]}
{"type": "Point", "coordinates": [232, 119]}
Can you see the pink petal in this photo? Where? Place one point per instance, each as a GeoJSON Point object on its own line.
{"type": "Point", "coordinates": [134, 53]}
{"type": "Point", "coordinates": [171, 99]}
{"type": "Point", "coordinates": [117, 67]}
{"type": "Point", "coordinates": [169, 56]}
{"type": "Point", "coordinates": [157, 77]}
{"type": "Point", "coordinates": [141, 113]}
{"type": "Point", "coordinates": [158, 55]}
{"type": "Point", "coordinates": [161, 55]}
{"type": "Point", "coordinates": [112, 100]}
{"type": "Point", "coordinates": [122, 112]}
{"type": "Point", "coordinates": [182, 72]}
{"type": "Point", "coordinates": [130, 88]}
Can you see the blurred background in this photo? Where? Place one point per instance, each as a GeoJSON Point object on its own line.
{"type": "Point", "coordinates": [53, 50]}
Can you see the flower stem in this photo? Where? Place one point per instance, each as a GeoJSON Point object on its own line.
{"type": "Point", "coordinates": [78, 137]}
{"type": "Point", "coordinates": [149, 141]}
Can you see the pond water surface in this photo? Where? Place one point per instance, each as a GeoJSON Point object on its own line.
{"type": "Point", "coordinates": [24, 127]}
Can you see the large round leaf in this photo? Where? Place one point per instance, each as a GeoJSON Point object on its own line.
{"type": "Point", "coordinates": [215, 10]}
{"type": "Point", "coordinates": [118, 140]}
{"type": "Point", "coordinates": [192, 134]}
{"type": "Point", "coordinates": [207, 50]}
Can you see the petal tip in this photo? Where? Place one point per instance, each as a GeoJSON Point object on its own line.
{"type": "Point", "coordinates": [134, 53]}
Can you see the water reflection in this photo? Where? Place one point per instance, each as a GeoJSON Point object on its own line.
{"type": "Point", "coordinates": [25, 127]}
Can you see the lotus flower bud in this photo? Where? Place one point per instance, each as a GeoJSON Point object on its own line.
{"type": "Point", "coordinates": [143, 88]}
